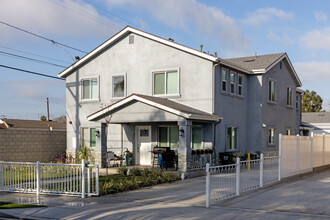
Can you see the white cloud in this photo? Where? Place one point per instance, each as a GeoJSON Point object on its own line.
{"type": "Point", "coordinates": [64, 18]}
{"type": "Point", "coordinates": [318, 39]}
{"type": "Point", "coordinates": [320, 16]}
{"type": "Point", "coordinates": [190, 13]}
{"type": "Point", "coordinates": [313, 72]}
{"type": "Point", "coordinates": [264, 15]}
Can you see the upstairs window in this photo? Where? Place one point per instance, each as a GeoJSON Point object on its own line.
{"type": "Point", "coordinates": [232, 138]}
{"type": "Point", "coordinates": [271, 91]}
{"type": "Point", "coordinates": [118, 86]}
{"type": "Point", "coordinates": [289, 96]}
{"type": "Point", "coordinates": [224, 79]}
{"type": "Point", "coordinates": [240, 85]}
{"type": "Point", "coordinates": [166, 82]}
{"type": "Point", "coordinates": [90, 89]}
{"type": "Point", "coordinates": [232, 82]}
{"type": "Point", "coordinates": [297, 101]}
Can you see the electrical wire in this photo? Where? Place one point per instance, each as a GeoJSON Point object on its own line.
{"type": "Point", "coordinates": [32, 72]}
{"type": "Point", "coordinates": [33, 54]}
{"type": "Point", "coordinates": [31, 59]}
{"type": "Point", "coordinates": [44, 38]}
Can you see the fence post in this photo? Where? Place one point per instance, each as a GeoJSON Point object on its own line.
{"type": "Point", "coordinates": [323, 148]}
{"type": "Point", "coordinates": [88, 180]}
{"type": "Point", "coordinates": [279, 157]}
{"type": "Point", "coordinates": [312, 149]}
{"type": "Point", "coordinates": [261, 170]}
{"type": "Point", "coordinates": [238, 171]}
{"type": "Point", "coordinates": [97, 180]}
{"type": "Point", "coordinates": [1, 175]}
{"type": "Point", "coordinates": [208, 176]}
{"type": "Point", "coordinates": [38, 178]}
{"type": "Point", "coordinates": [298, 160]}
{"type": "Point", "coordinates": [83, 179]}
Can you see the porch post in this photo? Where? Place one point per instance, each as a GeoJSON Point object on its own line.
{"type": "Point", "coordinates": [184, 150]}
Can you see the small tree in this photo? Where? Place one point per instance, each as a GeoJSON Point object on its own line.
{"type": "Point", "coordinates": [311, 102]}
{"type": "Point", "coordinates": [43, 118]}
{"type": "Point", "coordinates": [85, 153]}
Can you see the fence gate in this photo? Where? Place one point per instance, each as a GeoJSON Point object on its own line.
{"type": "Point", "coordinates": [48, 178]}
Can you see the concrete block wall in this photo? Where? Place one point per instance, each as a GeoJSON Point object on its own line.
{"type": "Point", "coordinates": [31, 145]}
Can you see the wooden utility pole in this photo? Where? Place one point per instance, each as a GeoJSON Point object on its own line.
{"type": "Point", "coordinates": [48, 114]}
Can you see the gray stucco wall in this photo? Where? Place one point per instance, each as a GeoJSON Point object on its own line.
{"type": "Point", "coordinates": [31, 145]}
{"type": "Point", "coordinates": [278, 115]}
{"type": "Point", "coordinates": [137, 61]}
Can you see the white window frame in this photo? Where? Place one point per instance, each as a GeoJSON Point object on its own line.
{"type": "Point", "coordinates": [232, 83]}
{"type": "Point", "coordinates": [164, 71]}
{"type": "Point", "coordinates": [90, 89]}
{"type": "Point", "coordinates": [125, 85]}
{"type": "Point", "coordinates": [269, 132]}
{"type": "Point", "coordinates": [238, 85]}
{"type": "Point", "coordinates": [268, 88]}
{"type": "Point", "coordinates": [287, 100]}
{"type": "Point", "coordinates": [227, 141]}
{"type": "Point", "coordinates": [224, 80]}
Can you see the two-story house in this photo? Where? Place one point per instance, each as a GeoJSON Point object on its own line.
{"type": "Point", "coordinates": [137, 91]}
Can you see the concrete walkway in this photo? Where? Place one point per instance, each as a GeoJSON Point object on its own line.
{"type": "Point", "coordinates": [307, 198]}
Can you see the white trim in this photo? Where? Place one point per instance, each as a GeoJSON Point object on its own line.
{"type": "Point", "coordinates": [165, 71]}
{"type": "Point", "coordinates": [154, 104]}
{"type": "Point", "coordinates": [141, 33]}
{"type": "Point", "coordinates": [90, 89]}
{"type": "Point", "coordinates": [125, 85]}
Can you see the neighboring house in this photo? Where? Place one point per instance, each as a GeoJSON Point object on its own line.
{"type": "Point", "coordinates": [316, 122]}
{"type": "Point", "coordinates": [30, 140]}
{"type": "Point", "coordinates": [137, 91]}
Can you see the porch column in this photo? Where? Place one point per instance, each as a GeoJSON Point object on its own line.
{"type": "Point", "coordinates": [184, 145]}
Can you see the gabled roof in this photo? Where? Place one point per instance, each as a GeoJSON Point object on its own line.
{"type": "Point", "coordinates": [262, 63]}
{"type": "Point", "coordinates": [21, 124]}
{"type": "Point", "coordinates": [123, 32]}
{"type": "Point", "coordinates": [158, 102]}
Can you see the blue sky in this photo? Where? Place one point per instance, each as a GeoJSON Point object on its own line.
{"type": "Point", "coordinates": [231, 28]}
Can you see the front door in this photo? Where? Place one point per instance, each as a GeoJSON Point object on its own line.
{"type": "Point", "coordinates": [143, 143]}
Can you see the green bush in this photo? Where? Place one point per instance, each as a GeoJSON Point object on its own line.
{"type": "Point", "coordinates": [122, 170]}
{"type": "Point", "coordinates": [135, 172]}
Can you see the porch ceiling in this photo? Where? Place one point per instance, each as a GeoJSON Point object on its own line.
{"type": "Point", "coordinates": [141, 108]}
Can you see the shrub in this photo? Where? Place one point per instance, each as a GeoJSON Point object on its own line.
{"type": "Point", "coordinates": [145, 172]}
{"type": "Point", "coordinates": [135, 172]}
{"type": "Point", "coordinates": [63, 158]}
{"type": "Point", "coordinates": [122, 170]}
{"type": "Point", "coordinates": [84, 153]}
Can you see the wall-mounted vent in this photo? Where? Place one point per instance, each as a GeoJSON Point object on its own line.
{"type": "Point", "coordinates": [131, 39]}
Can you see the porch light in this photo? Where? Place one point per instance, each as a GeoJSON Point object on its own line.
{"type": "Point", "coordinates": [97, 133]}
{"type": "Point", "coordinates": [181, 132]}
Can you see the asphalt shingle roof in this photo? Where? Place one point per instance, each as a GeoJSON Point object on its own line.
{"type": "Point", "coordinates": [34, 125]}
{"type": "Point", "coordinates": [256, 62]}
{"type": "Point", "coordinates": [315, 117]}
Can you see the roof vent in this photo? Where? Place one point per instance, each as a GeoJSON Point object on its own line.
{"type": "Point", "coordinates": [77, 58]}
{"type": "Point", "coordinates": [246, 61]}
{"type": "Point", "coordinates": [201, 46]}
{"type": "Point", "coordinates": [215, 54]}
{"type": "Point", "coordinates": [170, 39]}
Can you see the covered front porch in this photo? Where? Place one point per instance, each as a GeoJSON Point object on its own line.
{"type": "Point", "coordinates": [139, 125]}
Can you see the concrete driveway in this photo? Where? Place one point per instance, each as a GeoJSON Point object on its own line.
{"type": "Point", "coordinates": [307, 198]}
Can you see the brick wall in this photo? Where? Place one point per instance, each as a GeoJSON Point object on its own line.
{"type": "Point", "coordinates": [31, 145]}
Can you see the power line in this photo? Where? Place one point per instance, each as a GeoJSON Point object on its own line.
{"type": "Point", "coordinates": [44, 38]}
{"type": "Point", "coordinates": [33, 54]}
{"type": "Point", "coordinates": [28, 71]}
{"type": "Point", "coordinates": [31, 59]}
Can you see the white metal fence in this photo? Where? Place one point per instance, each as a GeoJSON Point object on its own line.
{"type": "Point", "coordinates": [48, 178]}
{"type": "Point", "coordinates": [227, 181]}
{"type": "Point", "coordinates": [300, 154]}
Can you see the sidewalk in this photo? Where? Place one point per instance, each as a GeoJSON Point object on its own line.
{"type": "Point", "coordinates": [307, 198]}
